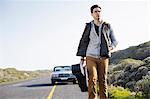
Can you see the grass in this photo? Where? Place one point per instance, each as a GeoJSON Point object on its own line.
{"type": "Point", "coordinates": [11, 75]}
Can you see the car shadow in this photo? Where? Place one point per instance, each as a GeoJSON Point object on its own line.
{"type": "Point", "coordinates": [44, 85]}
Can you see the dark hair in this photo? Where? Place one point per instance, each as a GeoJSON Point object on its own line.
{"type": "Point", "coordinates": [94, 6]}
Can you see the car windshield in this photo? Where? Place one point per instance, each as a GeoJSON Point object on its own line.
{"type": "Point", "coordinates": [62, 68]}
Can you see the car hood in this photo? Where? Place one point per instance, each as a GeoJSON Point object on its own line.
{"type": "Point", "coordinates": [62, 72]}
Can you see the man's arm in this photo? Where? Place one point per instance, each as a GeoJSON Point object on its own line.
{"type": "Point", "coordinates": [84, 41]}
{"type": "Point", "coordinates": [113, 39]}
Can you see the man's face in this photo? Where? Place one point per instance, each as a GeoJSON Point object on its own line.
{"type": "Point", "coordinates": [96, 13]}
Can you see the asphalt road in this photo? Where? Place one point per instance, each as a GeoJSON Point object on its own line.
{"type": "Point", "coordinates": [41, 89]}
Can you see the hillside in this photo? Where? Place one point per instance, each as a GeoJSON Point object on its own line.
{"type": "Point", "coordinates": [130, 68]}
{"type": "Point", "coordinates": [13, 75]}
{"type": "Point", "coordinates": [139, 52]}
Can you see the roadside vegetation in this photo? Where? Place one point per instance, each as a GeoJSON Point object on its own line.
{"type": "Point", "coordinates": [129, 73]}
{"type": "Point", "coordinates": [9, 75]}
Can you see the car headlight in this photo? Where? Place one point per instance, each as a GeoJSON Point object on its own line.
{"type": "Point", "coordinates": [55, 75]}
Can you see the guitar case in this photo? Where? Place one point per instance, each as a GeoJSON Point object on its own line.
{"type": "Point", "coordinates": [81, 74]}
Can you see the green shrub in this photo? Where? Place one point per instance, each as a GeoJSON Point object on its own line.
{"type": "Point", "coordinates": [126, 62]}
{"type": "Point", "coordinates": [139, 95]}
{"type": "Point", "coordinates": [147, 60]}
{"type": "Point", "coordinates": [114, 76]}
{"type": "Point", "coordinates": [144, 86]}
{"type": "Point", "coordinates": [119, 93]}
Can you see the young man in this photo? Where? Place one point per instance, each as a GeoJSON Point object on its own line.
{"type": "Point", "coordinates": [95, 48]}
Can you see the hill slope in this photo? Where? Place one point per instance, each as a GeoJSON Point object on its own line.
{"type": "Point", "coordinates": [130, 68]}
{"type": "Point", "coordinates": [13, 75]}
{"type": "Point", "coordinates": [139, 52]}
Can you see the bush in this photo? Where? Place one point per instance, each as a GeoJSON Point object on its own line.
{"type": "Point", "coordinates": [119, 93]}
{"type": "Point", "coordinates": [114, 76]}
{"type": "Point", "coordinates": [147, 60]}
{"type": "Point", "coordinates": [128, 62]}
{"type": "Point", "coordinates": [144, 86]}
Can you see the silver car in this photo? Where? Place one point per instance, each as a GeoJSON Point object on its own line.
{"type": "Point", "coordinates": [62, 74]}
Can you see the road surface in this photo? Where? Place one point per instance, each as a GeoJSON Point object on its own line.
{"type": "Point", "coordinates": [41, 89]}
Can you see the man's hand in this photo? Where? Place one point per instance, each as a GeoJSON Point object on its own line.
{"type": "Point", "coordinates": [110, 49]}
{"type": "Point", "coordinates": [82, 59]}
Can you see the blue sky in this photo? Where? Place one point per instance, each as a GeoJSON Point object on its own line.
{"type": "Point", "coordinates": [40, 34]}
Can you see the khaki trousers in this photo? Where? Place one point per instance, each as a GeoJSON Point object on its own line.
{"type": "Point", "coordinates": [97, 68]}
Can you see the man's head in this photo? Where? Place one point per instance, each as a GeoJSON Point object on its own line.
{"type": "Point", "coordinates": [95, 12]}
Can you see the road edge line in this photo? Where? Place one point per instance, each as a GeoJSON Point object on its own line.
{"type": "Point", "coordinates": [51, 93]}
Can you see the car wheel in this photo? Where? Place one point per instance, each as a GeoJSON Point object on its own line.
{"type": "Point", "coordinates": [74, 82]}
{"type": "Point", "coordinates": [53, 82]}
